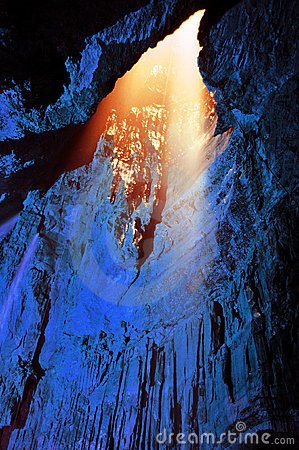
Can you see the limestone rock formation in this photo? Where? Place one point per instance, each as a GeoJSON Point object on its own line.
{"type": "Point", "coordinates": [112, 331]}
{"type": "Point", "coordinates": [88, 50]}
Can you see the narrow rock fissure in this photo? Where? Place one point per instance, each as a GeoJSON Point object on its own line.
{"type": "Point", "coordinates": [21, 408]}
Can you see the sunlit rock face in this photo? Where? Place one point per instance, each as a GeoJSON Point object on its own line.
{"type": "Point", "coordinates": [102, 347]}
{"type": "Point", "coordinates": [87, 49]}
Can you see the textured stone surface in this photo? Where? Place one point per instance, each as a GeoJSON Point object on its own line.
{"type": "Point", "coordinates": [249, 59]}
{"type": "Point", "coordinates": [87, 49]}
{"type": "Point", "coordinates": [39, 134]}
{"type": "Point", "coordinates": [93, 356]}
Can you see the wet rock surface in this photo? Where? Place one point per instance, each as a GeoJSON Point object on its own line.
{"type": "Point", "coordinates": [94, 356]}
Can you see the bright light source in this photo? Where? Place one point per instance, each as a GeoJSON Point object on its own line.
{"type": "Point", "coordinates": [166, 74]}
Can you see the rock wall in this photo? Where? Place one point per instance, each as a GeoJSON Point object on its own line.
{"type": "Point", "coordinates": [96, 354]}
{"type": "Point", "coordinates": [86, 51]}
{"type": "Point", "coordinates": [248, 58]}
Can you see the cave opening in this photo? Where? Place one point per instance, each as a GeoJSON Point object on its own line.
{"type": "Point", "coordinates": [160, 115]}
{"type": "Point", "coordinates": [165, 76]}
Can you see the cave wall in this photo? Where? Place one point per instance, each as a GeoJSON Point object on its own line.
{"type": "Point", "coordinates": [75, 59]}
{"type": "Point", "coordinates": [249, 59]}
{"type": "Point", "coordinates": [93, 357]}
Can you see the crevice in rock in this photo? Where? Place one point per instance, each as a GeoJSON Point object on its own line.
{"type": "Point", "coordinates": [227, 372]}
{"type": "Point", "coordinates": [217, 326]}
{"type": "Point", "coordinates": [21, 408]}
{"type": "Point", "coordinates": [145, 241]}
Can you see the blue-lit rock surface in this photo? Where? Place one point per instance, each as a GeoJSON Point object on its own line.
{"type": "Point", "coordinates": [100, 352]}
